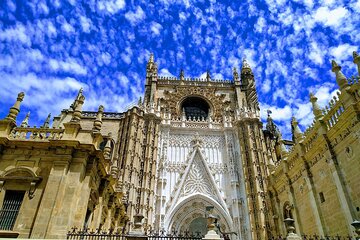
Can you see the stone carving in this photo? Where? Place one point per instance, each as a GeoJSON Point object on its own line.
{"type": "Point", "coordinates": [184, 140]}
{"type": "Point", "coordinates": [197, 180]}
{"type": "Point", "coordinates": [172, 99]}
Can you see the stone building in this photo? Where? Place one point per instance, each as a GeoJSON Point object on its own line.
{"type": "Point", "coordinates": [189, 144]}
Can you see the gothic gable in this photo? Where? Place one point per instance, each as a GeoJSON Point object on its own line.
{"type": "Point", "coordinates": [196, 179]}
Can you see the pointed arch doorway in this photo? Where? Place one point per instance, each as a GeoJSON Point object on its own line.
{"type": "Point", "coordinates": [190, 215]}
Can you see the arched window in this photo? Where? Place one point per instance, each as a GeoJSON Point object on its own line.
{"type": "Point", "coordinates": [195, 107]}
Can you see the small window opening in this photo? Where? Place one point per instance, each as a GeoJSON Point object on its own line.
{"type": "Point", "coordinates": [322, 197]}
{"type": "Point", "coordinates": [10, 209]}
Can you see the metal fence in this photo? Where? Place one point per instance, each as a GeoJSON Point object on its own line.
{"type": "Point", "coordinates": [317, 237]}
{"type": "Point", "coordinates": [162, 235]}
{"type": "Point", "coordinates": [87, 234]}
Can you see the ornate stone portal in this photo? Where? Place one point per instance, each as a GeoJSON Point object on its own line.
{"type": "Point", "coordinates": [199, 160]}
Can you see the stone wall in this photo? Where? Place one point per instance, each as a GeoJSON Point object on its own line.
{"type": "Point", "coordinates": [319, 176]}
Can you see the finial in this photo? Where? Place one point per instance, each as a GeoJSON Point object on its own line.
{"type": "Point", "coordinates": [283, 150]}
{"type": "Point", "coordinates": [271, 126]}
{"type": "Point", "coordinates": [25, 122]}
{"type": "Point", "coordinates": [98, 121]}
{"type": "Point", "coordinates": [208, 78]}
{"type": "Point", "coordinates": [14, 110]}
{"type": "Point", "coordinates": [73, 105]}
{"type": "Point", "coordinates": [296, 130]}
{"type": "Point", "coordinates": [140, 102]}
{"type": "Point", "coordinates": [151, 59]}
{"type": "Point", "coordinates": [78, 109]}
{"type": "Point", "coordinates": [182, 74]}
{"type": "Point", "coordinates": [196, 141]}
{"type": "Point", "coordinates": [268, 113]}
{"type": "Point", "coordinates": [316, 108]}
{"type": "Point", "coordinates": [356, 58]}
{"type": "Point", "coordinates": [114, 170]}
{"type": "Point", "coordinates": [340, 78]}
{"type": "Point", "coordinates": [355, 55]}
{"type": "Point", "coordinates": [235, 74]}
{"type": "Point", "coordinates": [245, 66]}
{"type": "Point", "coordinates": [107, 148]}
{"type": "Point", "coordinates": [47, 121]}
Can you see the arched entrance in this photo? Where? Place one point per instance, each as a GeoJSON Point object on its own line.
{"type": "Point", "coordinates": [190, 215]}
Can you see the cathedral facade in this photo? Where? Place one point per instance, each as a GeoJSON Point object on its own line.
{"type": "Point", "coordinates": [188, 146]}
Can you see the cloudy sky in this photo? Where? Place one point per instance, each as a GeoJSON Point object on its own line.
{"type": "Point", "coordinates": [49, 49]}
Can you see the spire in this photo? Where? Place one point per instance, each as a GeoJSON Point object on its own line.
{"type": "Point", "coordinates": [78, 107]}
{"type": "Point", "coordinates": [47, 121]}
{"type": "Point", "coordinates": [140, 102]}
{"type": "Point", "coordinates": [14, 110]}
{"type": "Point", "coordinates": [340, 78]}
{"type": "Point", "coordinates": [245, 66]}
{"type": "Point", "coordinates": [316, 108]}
{"type": "Point", "coordinates": [208, 78]}
{"type": "Point", "coordinates": [25, 122]}
{"type": "Point", "coordinates": [296, 130]}
{"type": "Point", "coordinates": [73, 105]}
{"type": "Point", "coordinates": [151, 59]}
{"type": "Point", "coordinates": [271, 126]}
{"type": "Point", "coordinates": [235, 75]}
{"type": "Point", "coordinates": [151, 62]}
{"type": "Point", "coordinates": [356, 58]}
{"type": "Point", "coordinates": [182, 74]}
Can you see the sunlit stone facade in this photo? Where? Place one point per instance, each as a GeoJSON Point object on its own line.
{"type": "Point", "coordinates": [188, 144]}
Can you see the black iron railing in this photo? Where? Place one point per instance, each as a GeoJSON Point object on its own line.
{"type": "Point", "coordinates": [87, 234]}
{"type": "Point", "coordinates": [317, 237]}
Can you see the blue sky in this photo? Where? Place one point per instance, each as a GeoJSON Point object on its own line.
{"type": "Point", "coordinates": [49, 49]}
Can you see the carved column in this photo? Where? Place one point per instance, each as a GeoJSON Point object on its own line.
{"type": "Point", "coordinates": [254, 174]}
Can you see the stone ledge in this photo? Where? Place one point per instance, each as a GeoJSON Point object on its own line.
{"type": "Point", "coordinates": [8, 234]}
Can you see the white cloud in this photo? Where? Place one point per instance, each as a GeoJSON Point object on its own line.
{"type": "Point", "coordinates": [106, 58]}
{"type": "Point", "coordinates": [316, 55]}
{"type": "Point", "coordinates": [126, 58]}
{"type": "Point", "coordinates": [249, 55]}
{"type": "Point", "coordinates": [332, 18]}
{"type": "Point", "coordinates": [278, 113]}
{"type": "Point", "coordinates": [123, 80]}
{"type": "Point", "coordinates": [309, 3]}
{"type": "Point", "coordinates": [111, 6]}
{"type": "Point", "coordinates": [17, 33]}
{"type": "Point", "coordinates": [85, 24]}
{"type": "Point", "coordinates": [156, 28]}
{"type": "Point", "coordinates": [134, 17]}
{"type": "Point", "coordinates": [69, 65]}
{"type": "Point", "coordinates": [266, 86]}
{"type": "Point", "coordinates": [303, 113]}
{"type": "Point", "coordinates": [342, 52]}
{"type": "Point", "coordinates": [166, 73]}
{"type": "Point", "coordinates": [260, 24]}
{"type": "Point", "coordinates": [42, 95]}
{"type": "Point", "coordinates": [355, 5]}
{"type": "Point", "coordinates": [218, 76]}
